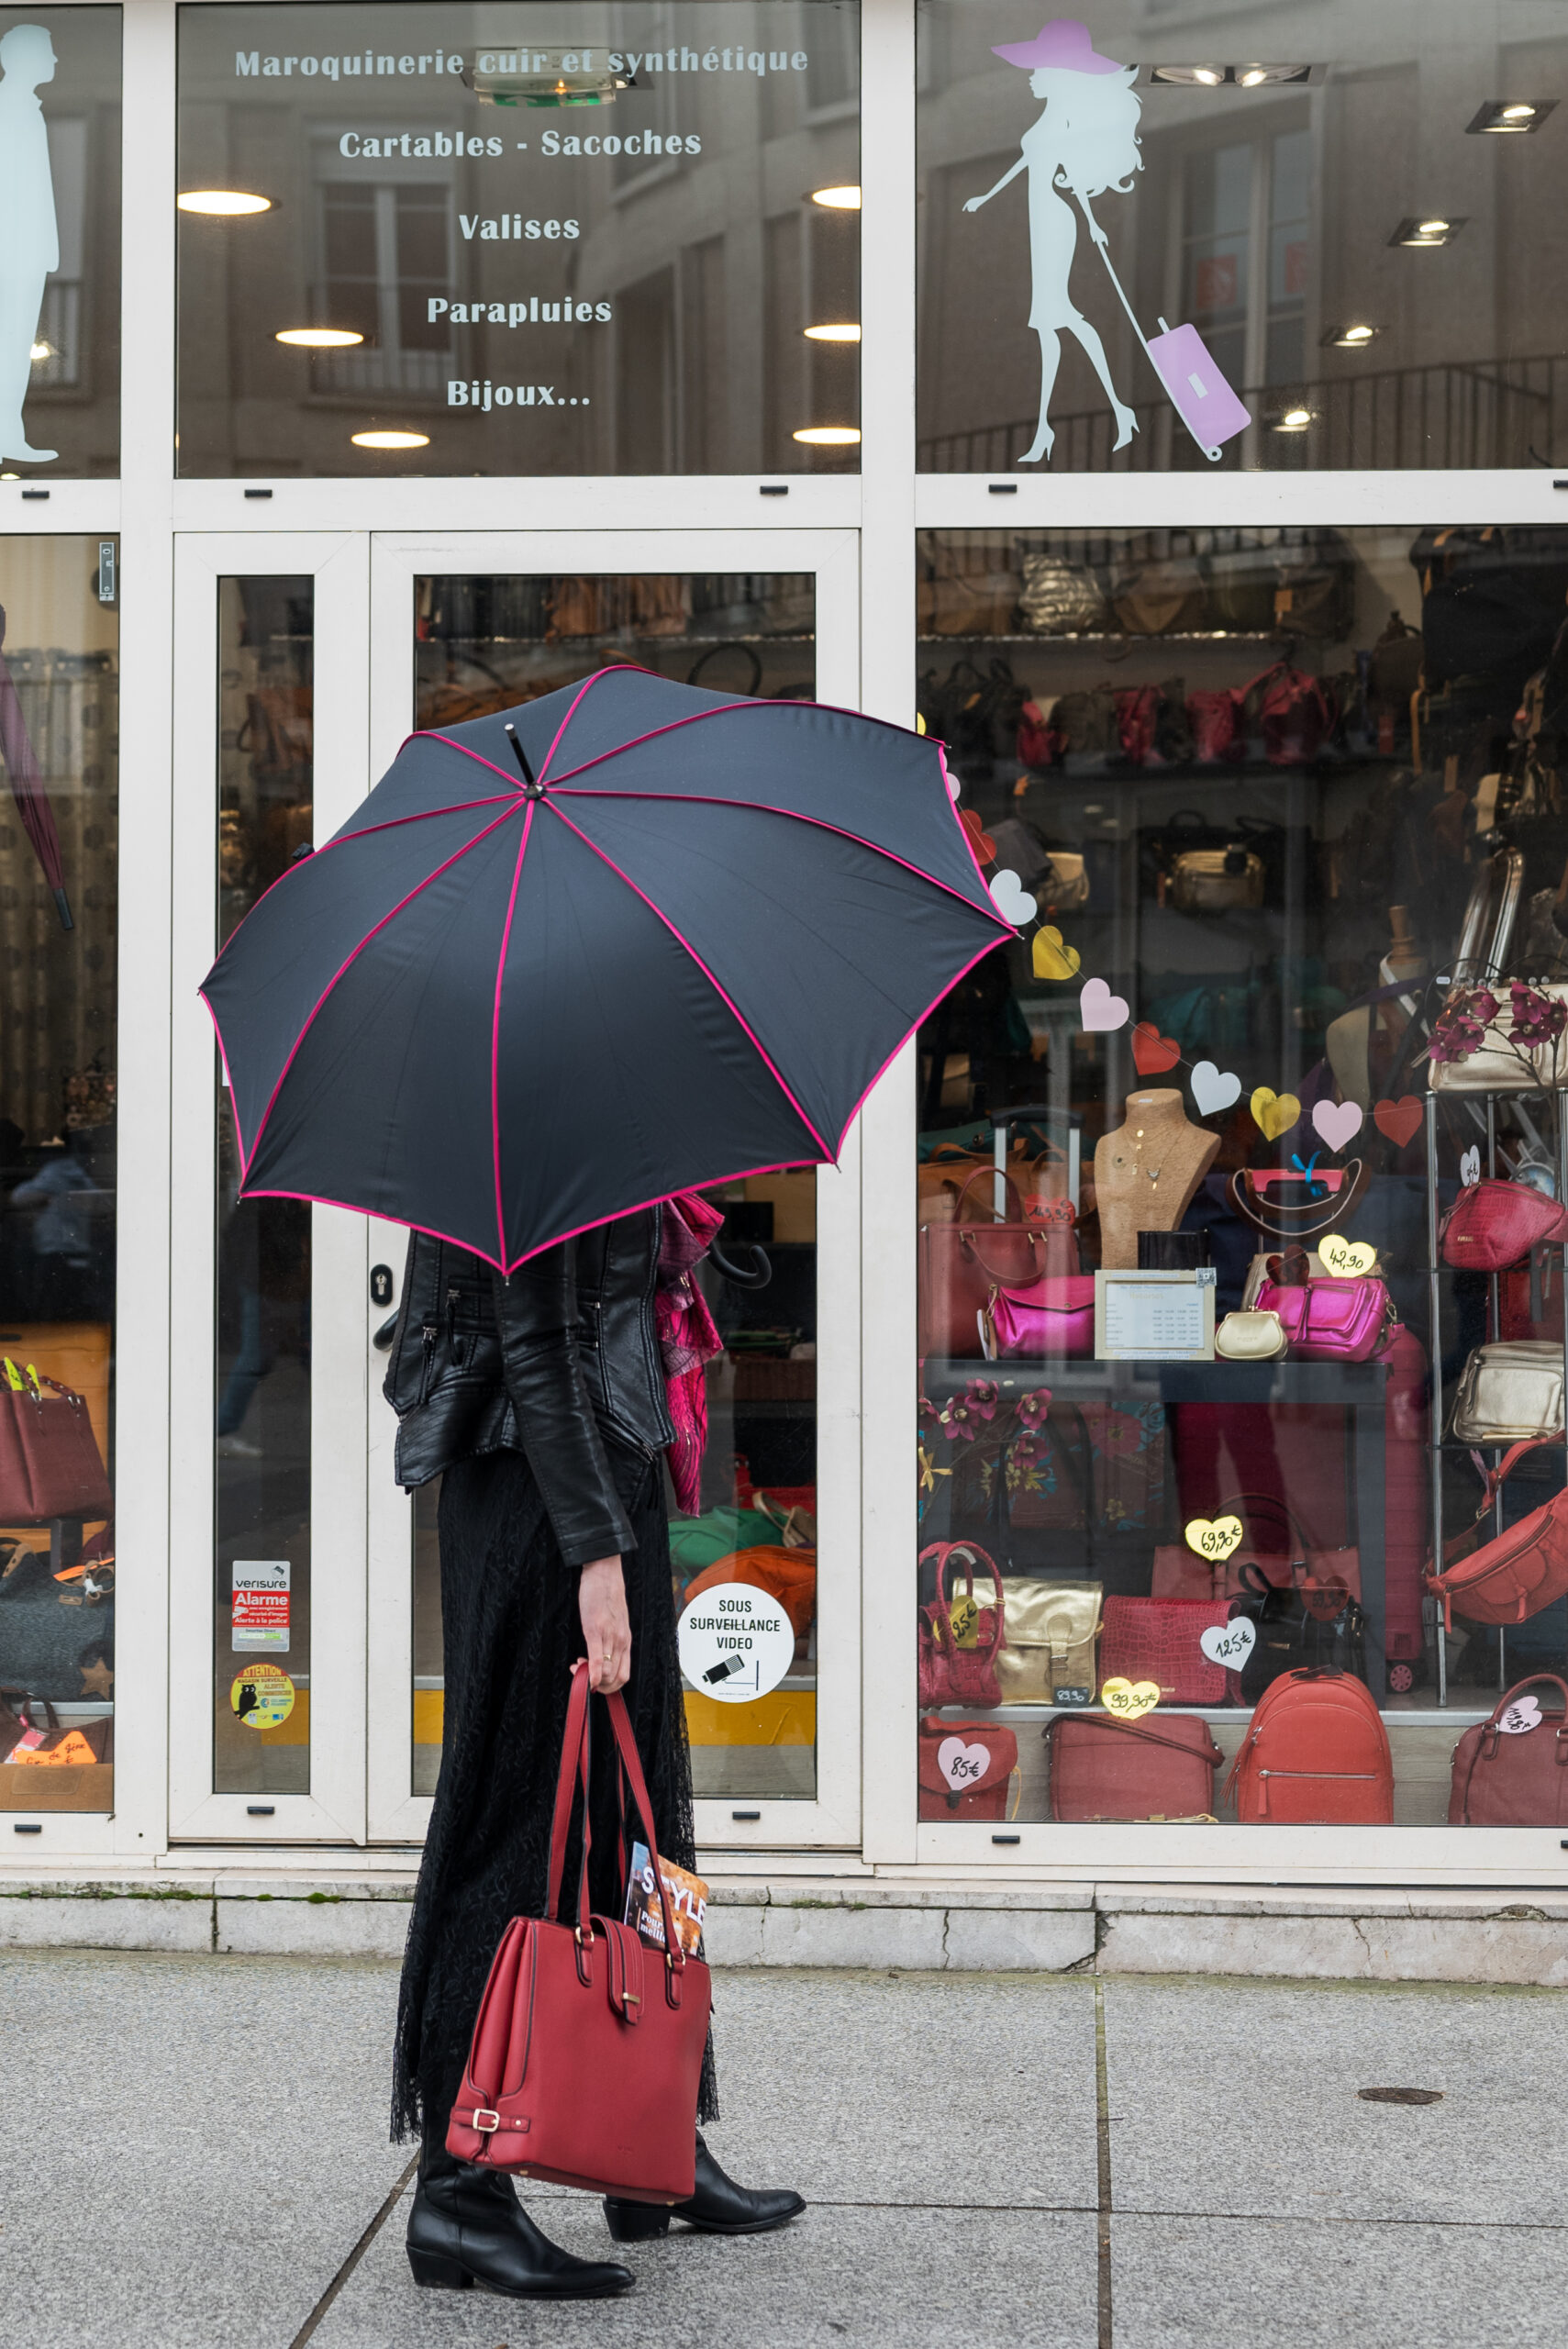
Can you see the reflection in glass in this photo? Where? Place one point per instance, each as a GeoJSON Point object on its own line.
{"type": "Point", "coordinates": [261, 1598]}
{"type": "Point", "coordinates": [59, 903]}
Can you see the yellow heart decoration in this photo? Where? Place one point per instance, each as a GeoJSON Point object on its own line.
{"type": "Point", "coordinates": [964, 1617]}
{"type": "Point", "coordinates": [1346, 1259]}
{"type": "Point", "coordinates": [1129, 1698]}
{"type": "Point", "coordinates": [1275, 1113]}
{"type": "Point", "coordinates": [1050, 958]}
{"type": "Point", "coordinates": [1213, 1538]}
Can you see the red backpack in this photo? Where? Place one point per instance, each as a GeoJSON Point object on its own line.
{"type": "Point", "coordinates": [1316, 1756]}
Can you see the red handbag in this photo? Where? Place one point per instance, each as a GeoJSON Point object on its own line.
{"type": "Point", "coordinates": [1515, 1574]}
{"type": "Point", "coordinates": [50, 1462]}
{"type": "Point", "coordinates": [1316, 1754]}
{"type": "Point", "coordinates": [966, 1769]}
{"type": "Point", "coordinates": [1102, 1768]}
{"type": "Point", "coordinates": [587, 2050]}
{"type": "Point", "coordinates": [1513, 1778]}
{"type": "Point", "coordinates": [1494, 1225]}
{"type": "Point", "coordinates": [961, 1263]}
{"type": "Point", "coordinates": [950, 1674]}
{"type": "Point", "coordinates": [1180, 1572]}
{"type": "Point", "coordinates": [1157, 1639]}
{"type": "Point", "coordinates": [1331, 1321]}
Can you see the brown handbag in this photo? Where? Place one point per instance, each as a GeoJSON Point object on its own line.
{"type": "Point", "coordinates": [962, 1262]}
{"type": "Point", "coordinates": [1519, 1778]}
{"type": "Point", "coordinates": [50, 1461]}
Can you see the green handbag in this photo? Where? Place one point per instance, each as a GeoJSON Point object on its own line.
{"type": "Point", "coordinates": [696, 1542]}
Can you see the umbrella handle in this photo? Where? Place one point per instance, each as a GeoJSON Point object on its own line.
{"type": "Point", "coordinates": [757, 1274]}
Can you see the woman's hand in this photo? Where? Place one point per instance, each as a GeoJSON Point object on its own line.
{"type": "Point", "coordinates": [607, 1626]}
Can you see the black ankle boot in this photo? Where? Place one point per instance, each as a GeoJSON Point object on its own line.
{"type": "Point", "coordinates": [467, 2227]}
{"type": "Point", "coordinates": [718, 2207]}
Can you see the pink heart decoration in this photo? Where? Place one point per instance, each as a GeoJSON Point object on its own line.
{"type": "Point", "coordinates": [1101, 1010]}
{"type": "Point", "coordinates": [1339, 1122]}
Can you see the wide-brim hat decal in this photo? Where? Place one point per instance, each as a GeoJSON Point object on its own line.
{"type": "Point", "coordinates": [1064, 44]}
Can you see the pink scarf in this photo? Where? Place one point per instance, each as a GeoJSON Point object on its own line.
{"type": "Point", "coordinates": [687, 1337]}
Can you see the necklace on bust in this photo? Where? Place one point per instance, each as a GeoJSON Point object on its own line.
{"type": "Point", "coordinates": [1153, 1173]}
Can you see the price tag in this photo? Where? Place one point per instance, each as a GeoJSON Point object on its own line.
{"type": "Point", "coordinates": [1230, 1643]}
{"type": "Point", "coordinates": [1128, 1699]}
{"type": "Point", "coordinates": [1214, 1537]}
{"type": "Point", "coordinates": [1521, 1717]}
{"type": "Point", "coordinates": [1345, 1259]}
{"type": "Point", "coordinates": [1071, 1696]}
{"type": "Point", "coordinates": [962, 1766]}
{"type": "Point", "coordinates": [964, 1617]}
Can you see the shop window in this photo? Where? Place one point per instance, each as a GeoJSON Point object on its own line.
{"type": "Point", "coordinates": [60, 243]}
{"type": "Point", "coordinates": [1208, 1162]}
{"type": "Point", "coordinates": [484, 643]}
{"type": "Point", "coordinates": [1338, 256]}
{"type": "Point", "coordinates": [262, 1433]}
{"type": "Point", "coordinates": [406, 249]}
{"type": "Point", "coordinates": [59, 910]}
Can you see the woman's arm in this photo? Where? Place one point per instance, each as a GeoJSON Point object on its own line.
{"type": "Point", "coordinates": [976, 201]}
{"type": "Point", "coordinates": [1095, 231]}
{"type": "Point", "coordinates": [536, 1316]}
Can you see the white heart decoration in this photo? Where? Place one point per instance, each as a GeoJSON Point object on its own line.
{"type": "Point", "coordinates": [1339, 1122]}
{"type": "Point", "coordinates": [962, 1766]}
{"type": "Point", "coordinates": [1470, 1165]}
{"type": "Point", "coordinates": [1012, 900]}
{"type": "Point", "coordinates": [954, 782]}
{"type": "Point", "coordinates": [1230, 1643]}
{"type": "Point", "coordinates": [1214, 1088]}
{"type": "Point", "coordinates": [1099, 1009]}
{"type": "Point", "coordinates": [1523, 1715]}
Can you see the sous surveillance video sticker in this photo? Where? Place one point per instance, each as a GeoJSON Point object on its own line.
{"type": "Point", "coordinates": [736, 1642]}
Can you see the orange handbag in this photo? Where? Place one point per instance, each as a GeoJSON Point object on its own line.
{"type": "Point", "coordinates": [788, 1575]}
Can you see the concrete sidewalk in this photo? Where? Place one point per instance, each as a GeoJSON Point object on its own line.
{"type": "Point", "coordinates": [195, 2154]}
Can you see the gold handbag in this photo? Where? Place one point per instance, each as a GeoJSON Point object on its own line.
{"type": "Point", "coordinates": [1510, 1392]}
{"type": "Point", "coordinates": [1249, 1337]}
{"type": "Point", "coordinates": [1047, 1656]}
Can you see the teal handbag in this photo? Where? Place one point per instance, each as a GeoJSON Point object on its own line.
{"type": "Point", "coordinates": [696, 1542]}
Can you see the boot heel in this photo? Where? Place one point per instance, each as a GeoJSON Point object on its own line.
{"type": "Point", "coordinates": [431, 2270]}
{"type": "Point", "coordinates": [637, 2222]}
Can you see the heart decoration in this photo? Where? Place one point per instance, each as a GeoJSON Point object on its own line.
{"type": "Point", "coordinates": [1229, 1643]}
{"type": "Point", "coordinates": [1214, 1089]}
{"type": "Point", "coordinates": [1101, 1011]}
{"type": "Point", "coordinates": [1339, 1122]}
{"type": "Point", "coordinates": [963, 1615]}
{"type": "Point", "coordinates": [962, 1765]}
{"type": "Point", "coordinates": [1213, 1537]}
{"type": "Point", "coordinates": [1052, 958]}
{"type": "Point", "coordinates": [1346, 1259]}
{"type": "Point", "coordinates": [1152, 1052]}
{"type": "Point", "coordinates": [1324, 1600]}
{"type": "Point", "coordinates": [1400, 1121]}
{"type": "Point", "coordinates": [1274, 1113]}
{"type": "Point", "coordinates": [1470, 1165]}
{"type": "Point", "coordinates": [984, 846]}
{"type": "Point", "coordinates": [1522, 1716]}
{"type": "Point", "coordinates": [1011, 899]}
{"type": "Point", "coordinates": [1128, 1699]}
{"type": "Point", "coordinates": [1290, 1269]}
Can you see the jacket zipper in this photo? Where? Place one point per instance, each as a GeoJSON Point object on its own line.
{"type": "Point", "coordinates": [429, 1332]}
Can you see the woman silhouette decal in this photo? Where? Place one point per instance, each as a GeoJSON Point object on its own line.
{"type": "Point", "coordinates": [1085, 143]}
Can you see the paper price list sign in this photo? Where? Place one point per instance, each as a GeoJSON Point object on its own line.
{"type": "Point", "coordinates": [1155, 1316]}
{"type": "Point", "coordinates": [260, 1610]}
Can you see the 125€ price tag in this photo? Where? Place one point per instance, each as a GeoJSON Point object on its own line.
{"type": "Point", "coordinates": [1230, 1643]}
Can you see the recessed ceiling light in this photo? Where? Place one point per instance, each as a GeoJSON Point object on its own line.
{"type": "Point", "coordinates": [1501, 117]}
{"type": "Point", "coordinates": [1434, 229]}
{"type": "Point", "coordinates": [318, 338]}
{"type": "Point", "coordinates": [1295, 420]}
{"type": "Point", "coordinates": [389, 439]}
{"type": "Point", "coordinates": [41, 351]}
{"type": "Point", "coordinates": [1242, 77]}
{"type": "Point", "coordinates": [1353, 336]}
{"type": "Point", "coordinates": [829, 436]}
{"type": "Point", "coordinates": [1207, 77]}
{"type": "Point", "coordinates": [225, 202]}
{"type": "Point", "coordinates": [838, 199]}
{"type": "Point", "coordinates": [831, 334]}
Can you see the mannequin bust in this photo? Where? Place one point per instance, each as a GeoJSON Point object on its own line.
{"type": "Point", "coordinates": [1147, 1174]}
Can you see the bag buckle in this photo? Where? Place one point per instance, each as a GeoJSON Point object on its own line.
{"type": "Point", "coordinates": [485, 2121]}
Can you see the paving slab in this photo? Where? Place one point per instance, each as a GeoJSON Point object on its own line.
{"type": "Point", "coordinates": [909, 2279]}
{"type": "Point", "coordinates": [1240, 2096]}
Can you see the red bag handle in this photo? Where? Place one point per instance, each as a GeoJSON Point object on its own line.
{"type": "Point", "coordinates": [1487, 1744]}
{"type": "Point", "coordinates": [575, 1761]}
{"type": "Point", "coordinates": [944, 1553]}
{"type": "Point", "coordinates": [988, 1174]}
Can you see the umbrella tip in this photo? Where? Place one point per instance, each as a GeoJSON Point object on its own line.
{"type": "Point", "coordinates": [520, 751]}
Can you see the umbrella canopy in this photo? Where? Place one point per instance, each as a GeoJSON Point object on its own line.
{"type": "Point", "coordinates": [624, 940]}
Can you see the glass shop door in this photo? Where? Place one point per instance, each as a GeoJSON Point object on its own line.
{"type": "Point", "coordinates": [470, 624]}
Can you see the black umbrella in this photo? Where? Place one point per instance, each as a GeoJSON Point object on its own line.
{"type": "Point", "coordinates": [624, 940]}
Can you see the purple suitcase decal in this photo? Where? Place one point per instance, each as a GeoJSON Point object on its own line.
{"type": "Point", "coordinates": [1199, 393]}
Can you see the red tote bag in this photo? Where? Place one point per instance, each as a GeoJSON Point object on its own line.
{"type": "Point", "coordinates": [50, 1462]}
{"type": "Point", "coordinates": [1158, 1640]}
{"type": "Point", "coordinates": [587, 2050]}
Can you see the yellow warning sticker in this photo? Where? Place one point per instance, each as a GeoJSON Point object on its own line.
{"type": "Point", "coordinates": [262, 1696]}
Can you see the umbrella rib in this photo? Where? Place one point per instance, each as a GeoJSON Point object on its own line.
{"type": "Point", "coordinates": [528, 808]}
{"type": "Point", "coordinates": [246, 1157]}
{"type": "Point", "coordinates": [687, 947]}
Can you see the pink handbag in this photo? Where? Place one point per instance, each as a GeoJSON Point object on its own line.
{"type": "Point", "coordinates": [1054, 1315]}
{"type": "Point", "coordinates": [1331, 1321]}
{"type": "Point", "coordinates": [1492, 1226]}
{"type": "Point", "coordinates": [949, 1674]}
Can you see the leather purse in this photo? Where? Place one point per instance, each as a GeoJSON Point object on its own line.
{"type": "Point", "coordinates": [965, 1769]}
{"type": "Point", "coordinates": [1180, 1572]}
{"type": "Point", "coordinates": [951, 1671]}
{"type": "Point", "coordinates": [1510, 1392]}
{"type": "Point", "coordinates": [1310, 1624]}
{"type": "Point", "coordinates": [1216, 880]}
{"type": "Point", "coordinates": [1316, 1753]}
{"type": "Point", "coordinates": [50, 1461]}
{"type": "Point", "coordinates": [958, 1186]}
{"type": "Point", "coordinates": [1251, 1337]}
{"type": "Point", "coordinates": [1496, 1067]}
{"type": "Point", "coordinates": [1331, 1321]}
{"type": "Point", "coordinates": [960, 1262]}
{"type": "Point", "coordinates": [1052, 1316]}
{"type": "Point", "coordinates": [1158, 1640]}
{"type": "Point", "coordinates": [1513, 1778]}
{"type": "Point", "coordinates": [587, 2050]}
{"type": "Point", "coordinates": [1515, 1574]}
{"type": "Point", "coordinates": [1048, 1652]}
{"type": "Point", "coordinates": [1492, 1226]}
{"type": "Point", "coordinates": [1105, 1769]}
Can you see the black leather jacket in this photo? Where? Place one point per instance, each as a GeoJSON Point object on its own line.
{"type": "Point", "coordinates": [560, 1362]}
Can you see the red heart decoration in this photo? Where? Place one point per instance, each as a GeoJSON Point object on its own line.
{"type": "Point", "coordinates": [1400, 1121]}
{"type": "Point", "coordinates": [1152, 1052]}
{"type": "Point", "coordinates": [984, 846]}
{"type": "Point", "coordinates": [1293, 1269]}
{"type": "Point", "coordinates": [1324, 1600]}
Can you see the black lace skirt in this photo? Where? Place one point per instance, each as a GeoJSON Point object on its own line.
{"type": "Point", "coordinates": [511, 1630]}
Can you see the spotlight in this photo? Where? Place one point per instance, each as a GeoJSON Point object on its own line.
{"type": "Point", "coordinates": [838, 199]}
{"type": "Point", "coordinates": [1499, 117]}
{"type": "Point", "coordinates": [318, 338]}
{"type": "Point", "coordinates": [831, 334]}
{"type": "Point", "coordinates": [829, 436]}
{"type": "Point", "coordinates": [389, 439]}
{"type": "Point", "coordinates": [1421, 234]}
{"type": "Point", "coordinates": [1354, 336]}
{"type": "Point", "coordinates": [222, 203]}
{"type": "Point", "coordinates": [1295, 420]}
